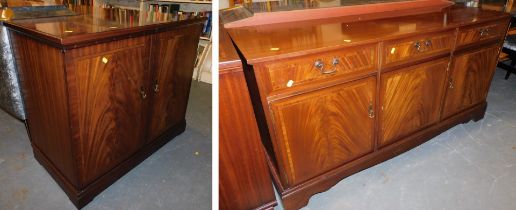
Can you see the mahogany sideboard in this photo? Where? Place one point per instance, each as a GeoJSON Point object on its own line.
{"type": "Point", "coordinates": [337, 95]}
{"type": "Point", "coordinates": [102, 92]}
{"type": "Point", "coordinates": [244, 178]}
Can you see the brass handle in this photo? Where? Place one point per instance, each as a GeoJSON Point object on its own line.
{"type": "Point", "coordinates": [417, 45]}
{"type": "Point", "coordinates": [370, 110]}
{"type": "Point", "coordinates": [320, 65]}
{"type": "Point", "coordinates": [484, 32]}
{"type": "Point", "coordinates": [143, 94]}
{"type": "Point", "coordinates": [451, 84]}
{"type": "Point", "coordinates": [156, 86]}
{"type": "Point", "coordinates": [428, 43]}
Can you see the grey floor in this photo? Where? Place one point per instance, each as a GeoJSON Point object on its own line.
{"type": "Point", "coordinates": [471, 166]}
{"type": "Point", "coordinates": [178, 176]}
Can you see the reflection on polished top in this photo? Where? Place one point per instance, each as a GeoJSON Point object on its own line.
{"type": "Point", "coordinates": [288, 5]}
{"type": "Point", "coordinates": [282, 40]}
{"type": "Point", "coordinates": [94, 23]}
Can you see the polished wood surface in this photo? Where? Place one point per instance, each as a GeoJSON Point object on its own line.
{"type": "Point", "coordinates": [93, 110]}
{"type": "Point", "coordinates": [244, 180]}
{"type": "Point", "coordinates": [469, 79]}
{"type": "Point", "coordinates": [472, 35]}
{"type": "Point", "coordinates": [228, 57]}
{"type": "Point", "coordinates": [104, 88]}
{"type": "Point", "coordinates": [319, 131]}
{"type": "Point", "coordinates": [414, 102]}
{"type": "Point", "coordinates": [173, 66]}
{"type": "Point", "coordinates": [92, 26]}
{"type": "Point", "coordinates": [410, 99]}
{"type": "Point", "coordinates": [46, 103]}
{"type": "Point", "coordinates": [299, 71]}
{"type": "Point", "coordinates": [303, 37]}
{"type": "Point", "coordinates": [412, 48]}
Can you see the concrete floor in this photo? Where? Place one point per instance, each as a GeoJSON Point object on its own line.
{"type": "Point", "coordinates": [178, 176]}
{"type": "Point", "coordinates": [471, 166]}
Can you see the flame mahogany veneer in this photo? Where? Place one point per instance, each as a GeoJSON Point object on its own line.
{"type": "Point", "coordinates": [399, 80]}
{"type": "Point", "coordinates": [99, 99]}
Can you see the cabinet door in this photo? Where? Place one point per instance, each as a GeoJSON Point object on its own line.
{"type": "Point", "coordinates": [108, 103]}
{"type": "Point", "coordinates": [410, 99]}
{"type": "Point", "coordinates": [324, 129]}
{"type": "Point", "coordinates": [469, 79]}
{"type": "Point", "coordinates": [174, 54]}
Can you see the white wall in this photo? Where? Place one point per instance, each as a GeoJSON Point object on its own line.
{"type": "Point", "coordinates": [223, 4]}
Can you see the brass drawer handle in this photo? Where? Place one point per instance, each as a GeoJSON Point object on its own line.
{"type": "Point", "coordinates": [451, 86]}
{"type": "Point", "coordinates": [484, 32]}
{"type": "Point", "coordinates": [320, 65]}
{"type": "Point", "coordinates": [143, 94]}
{"type": "Point", "coordinates": [417, 45]}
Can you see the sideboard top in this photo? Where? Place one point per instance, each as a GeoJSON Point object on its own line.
{"type": "Point", "coordinates": [260, 43]}
{"type": "Point", "coordinates": [93, 24]}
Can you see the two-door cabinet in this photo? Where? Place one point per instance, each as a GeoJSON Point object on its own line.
{"type": "Point", "coordinates": [102, 95]}
{"type": "Point", "coordinates": [340, 88]}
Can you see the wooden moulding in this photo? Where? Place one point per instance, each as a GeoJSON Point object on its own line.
{"type": "Point", "coordinates": [417, 6]}
{"type": "Point", "coordinates": [81, 198]}
{"type": "Point", "coordinates": [298, 196]}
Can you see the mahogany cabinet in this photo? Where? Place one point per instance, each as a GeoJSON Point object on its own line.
{"type": "Point", "coordinates": [244, 178]}
{"type": "Point", "coordinates": [338, 95]}
{"type": "Point", "coordinates": [100, 102]}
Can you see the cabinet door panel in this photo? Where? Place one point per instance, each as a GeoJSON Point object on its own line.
{"type": "Point", "coordinates": [173, 65]}
{"type": "Point", "coordinates": [469, 79]}
{"type": "Point", "coordinates": [410, 99]}
{"type": "Point", "coordinates": [110, 107]}
{"type": "Point", "coordinates": [324, 129]}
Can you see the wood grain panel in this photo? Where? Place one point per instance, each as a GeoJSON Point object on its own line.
{"type": "Point", "coordinates": [244, 180]}
{"type": "Point", "coordinates": [46, 102]}
{"type": "Point", "coordinates": [406, 49]}
{"type": "Point", "coordinates": [352, 62]}
{"type": "Point", "coordinates": [173, 64]}
{"type": "Point", "coordinates": [110, 107]}
{"type": "Point", "coordinates": [473, 34]}
{"type": "Point", "coordinates": [469, 79]}
{"type": "Point", "coordinates": [321, 130]}
{"type": "Point", "coordinates": [410, 99]}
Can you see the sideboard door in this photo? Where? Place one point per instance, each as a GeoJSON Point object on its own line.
{"type": "Point", "coordinates": [469, 79]}
{"type": "Point", "coordinates": [173, 66]}
{"type": "Point", "coordinates": [324, 129]}
{"type": "Point", "coordinates": [410, 99]}
{"type": "Point", "coordinates": [108, 95]}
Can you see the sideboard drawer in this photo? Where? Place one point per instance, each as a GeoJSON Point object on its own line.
{"type": "Point", "coordinates": [472, 34]}
{"type": "Point", "coordinates": [346, 62]}
{"type": "Point", "coordinates": [403, 50]}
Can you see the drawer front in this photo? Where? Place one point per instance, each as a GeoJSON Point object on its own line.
{"type": "Point", "coordinates": [398, 51]}
{"type": "Point", "coordinates": [298, 71]}
{"type": "Point", "coordinates": [472, 34]}
{"type": "Point", "coordinates": [324, 129]}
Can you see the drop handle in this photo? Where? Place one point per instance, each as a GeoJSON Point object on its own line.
{"type": "Point", "coordinates": [484, 32]}
{"type": "Point", "coordinates": [428, 43]}
{"type": "Point", "coordinates": [320, 65]}
{"type": "Point", "coordinates": [156, 86]}
{"type": "Point", "coordinates": [370, 110]}
{"type": "Point", "coordinates": [450, 84]}
{"type": "Point", "coordinates": [417, 45]}
{"type": "Point", "coordinates": [143, 94]}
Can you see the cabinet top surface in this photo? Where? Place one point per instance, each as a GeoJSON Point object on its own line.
{"type": "Point", "coordinates": [261, 43]}
{"type": "Point", "coordinates": [92, 23]}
